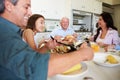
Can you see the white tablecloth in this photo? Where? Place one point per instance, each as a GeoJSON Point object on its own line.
{"type": "Point", "coordinates": [100, 72]}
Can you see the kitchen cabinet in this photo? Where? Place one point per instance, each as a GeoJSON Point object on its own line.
{"type": "Point", "coordinates": [85, 5]}
{"type": "Point", "coordinates": [50, 9]}
{"type": "Point", "coordinates": [53, 9]}
{"type": "Point", "coordinates": [82, 5]}
{"type": "Point", "coordinates": [97, 7]}
{"type": "Point", "coordinates": [78, 4]}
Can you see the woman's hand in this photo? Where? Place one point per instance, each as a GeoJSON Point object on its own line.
{"type": "Point", "coordinates": [100, 44]}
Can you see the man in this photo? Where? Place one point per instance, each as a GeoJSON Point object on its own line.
{"type": "Point", "coordinates": [64, 30]}
{"type": "Point", "coordinates": [17, 60]}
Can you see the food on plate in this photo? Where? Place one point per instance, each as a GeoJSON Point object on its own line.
{"type": "Point", "coordinates": [70, 39]}
{"type": "Point", "coordinates": [111, 59]}
{"type": "Point", "coordinates": [74, 68]}
{"type": "Point", "coordinates": [67, 44]}
{"type": "Point", "coordinates": [61, 49]}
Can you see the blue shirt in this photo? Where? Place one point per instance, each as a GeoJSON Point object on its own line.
{"type": "Point", "coordinates": [59, 31]}
{"type": "Point", "coordinates": [17, 57]}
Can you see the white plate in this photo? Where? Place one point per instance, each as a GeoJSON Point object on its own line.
{"type": "Point", "coordinates": [115, 52]}
{"type": "Point", "coordinates": [72, 76]}
{"type": "Point", "coordinates": [100, 59]}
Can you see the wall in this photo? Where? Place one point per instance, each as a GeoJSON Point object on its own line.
{"type": "Point", "coordinates": [111, 2]}
{"type": "Point", "coordinates": [115, 2]}
{"type": "Point", "coordinates": [117, 17]}
{"type": "Point", "coordinates": [115, 11]}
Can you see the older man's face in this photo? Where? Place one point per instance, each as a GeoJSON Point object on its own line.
{"type": "Point", "coordinates": [65, 23]}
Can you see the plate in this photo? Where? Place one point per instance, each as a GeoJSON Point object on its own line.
{"type": "Point", "coordinates": [78, 72]}
{"type": "Point", "coordinates": [100, 59]}
{"type": "Point", "coordinates": [72, 76]}
{"type": "Point", "coordinates": [114, 52]}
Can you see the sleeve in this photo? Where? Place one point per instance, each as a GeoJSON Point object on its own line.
{"type": "Point", "coordinates": [10, 75]}
{"type": "Point", "coordinates": [115, 38]}
{"type": "Point", "coordinates": [27, 64]}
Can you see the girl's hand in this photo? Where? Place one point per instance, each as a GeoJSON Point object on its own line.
{"type": "Point", "coordinates": [51, 44]}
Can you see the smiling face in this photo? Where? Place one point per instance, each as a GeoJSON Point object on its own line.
{"type": "Point", "coordinates": [64, 23]}
{"type": "Point", "coordinates": [19, 13]}
{"type": "Point", "coordinates": [101, 22]}
{"type": "Point", "coordinates": [40, 24]}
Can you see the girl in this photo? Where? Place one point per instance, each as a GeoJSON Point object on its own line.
{"type": "Point", "coordinates": [36, 23]}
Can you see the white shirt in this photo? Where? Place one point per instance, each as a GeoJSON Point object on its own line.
{"type": "Point", "coordinates": [59, 31]}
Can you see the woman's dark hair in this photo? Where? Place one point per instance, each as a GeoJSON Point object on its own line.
{"type": "Point", "coordinates": [109, 23]}
{"type": "Point", "coordinates": [96, 35]}
{"type": "Point", "coordinates": [108, 20]}
{"type": "Point", "coordinates": [98, 31]}
{"type": "Point", "coordinates": [32, 20]}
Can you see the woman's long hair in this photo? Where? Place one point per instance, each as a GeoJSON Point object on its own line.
{"type": "Point", "coordinates": [108, 20]}
{"type": "Point", "coordinates": [97, 33]}
{"type": "Point", "coordinates": [109, 23]}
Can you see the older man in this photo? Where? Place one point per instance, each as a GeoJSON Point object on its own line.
{"type": "Point", "coordinates": [64, 30]}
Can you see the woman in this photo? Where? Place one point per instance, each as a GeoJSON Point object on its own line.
{"type": "Point", "coordinates": [36, 23]}
{"type": "Point", "coordinates": [107, 33]}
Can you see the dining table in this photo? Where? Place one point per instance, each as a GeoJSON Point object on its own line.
{"type": "Point", "coordinates": [98, 72]}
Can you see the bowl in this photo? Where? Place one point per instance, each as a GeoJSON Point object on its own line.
{"type": "Point", "coordinates": [72, 76]}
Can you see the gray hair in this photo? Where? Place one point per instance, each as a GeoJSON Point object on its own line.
{"type": "Point", "coordinates": [2, 5]}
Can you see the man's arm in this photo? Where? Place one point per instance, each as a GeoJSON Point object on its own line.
{"type": "Point", "coordinates": [59, 63]}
